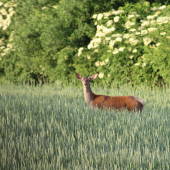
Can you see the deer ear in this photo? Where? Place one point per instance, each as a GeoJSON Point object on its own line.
{"type": "Point", "coordinates": [93, 76]}
{"type": "Point", "coordinates": [78, 76]}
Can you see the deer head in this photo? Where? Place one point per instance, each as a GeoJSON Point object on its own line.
{"type": "Point", "coordinates": [86, 80]}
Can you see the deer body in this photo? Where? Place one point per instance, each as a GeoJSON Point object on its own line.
{"type": "Point", "coordinates": [108, 102]}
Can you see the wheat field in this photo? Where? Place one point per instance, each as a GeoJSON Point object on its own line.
{"type": "Point", "coordinates": [51, 127]}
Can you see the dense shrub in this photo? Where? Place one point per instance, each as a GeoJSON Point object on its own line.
{"type": "Point", "coordinates": [130, 45]}
{"type": "Point", "coordinates": [44, 40]}
{"type": "Point", "coordinates": [49, 40]}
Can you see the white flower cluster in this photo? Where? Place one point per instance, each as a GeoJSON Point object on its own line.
{"type": "Point", "coordinates": [101, 75]}
{"type": "Point", "coordinates": [147, 40]}
{"type": "Point", "coordinates": [94, 43]}
{"type": "Point", "coordinates": [8, 12]}
{"type": "Point", "coordinates": [158, 8]}
{"type": "Point", "coordinates": [128, 24]}
{"type": "Point", "coordinates": [133, 41]}
{"type": "Point", "coordinates": [9, 45]}
{"type": "Point", "coordinates": [45, 7]}
{"type": "Point", "coordinates": [80, 51]}
{"type": "Point", "coordinates": [103, 31]}
{"type": "Point", "coordinates": [107, 14]}
{"type": "Point", "coordinates": [98, 63]}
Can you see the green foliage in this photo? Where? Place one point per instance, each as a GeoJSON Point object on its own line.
{"type": "Point", "coordinates": [47, 40]}
{"type": "Point", "coordinates": [155, 61]}
{"type": "Point", "coordinates": [126, 47]}
{"type": "Point", "coordinates": [49, 127]}
{"type": "Point", "coordinates": [158, 60]}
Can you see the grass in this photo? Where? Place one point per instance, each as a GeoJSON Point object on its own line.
{"type": "Point", "coordinates": [51, 127]}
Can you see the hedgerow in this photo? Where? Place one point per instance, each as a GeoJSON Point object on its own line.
{"type": "Point", "coordinates": [46, 41]}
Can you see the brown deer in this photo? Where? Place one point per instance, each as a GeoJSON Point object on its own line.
{"type": "Point", "coordinates": [131, 103]}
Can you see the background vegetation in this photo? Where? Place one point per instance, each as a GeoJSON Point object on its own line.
{"type": "Point", "coordinates": [49, 127]}
{"type": "Point", "coordinates": [48, 40]}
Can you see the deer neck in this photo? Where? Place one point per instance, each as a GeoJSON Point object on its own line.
{"type": "Point", "coordinates": [88, 94]}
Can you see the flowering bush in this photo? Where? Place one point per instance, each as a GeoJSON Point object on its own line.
{"type": "Point", "coordinates": [131, 44]}
{"type": "Point", "coordinates": [40, 42]}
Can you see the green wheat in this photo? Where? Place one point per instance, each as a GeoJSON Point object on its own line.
{"type": "Point", "coordinates": [51, 127]}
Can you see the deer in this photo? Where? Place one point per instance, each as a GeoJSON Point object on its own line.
{"type": "Point", "coordinates": [131, 103]}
